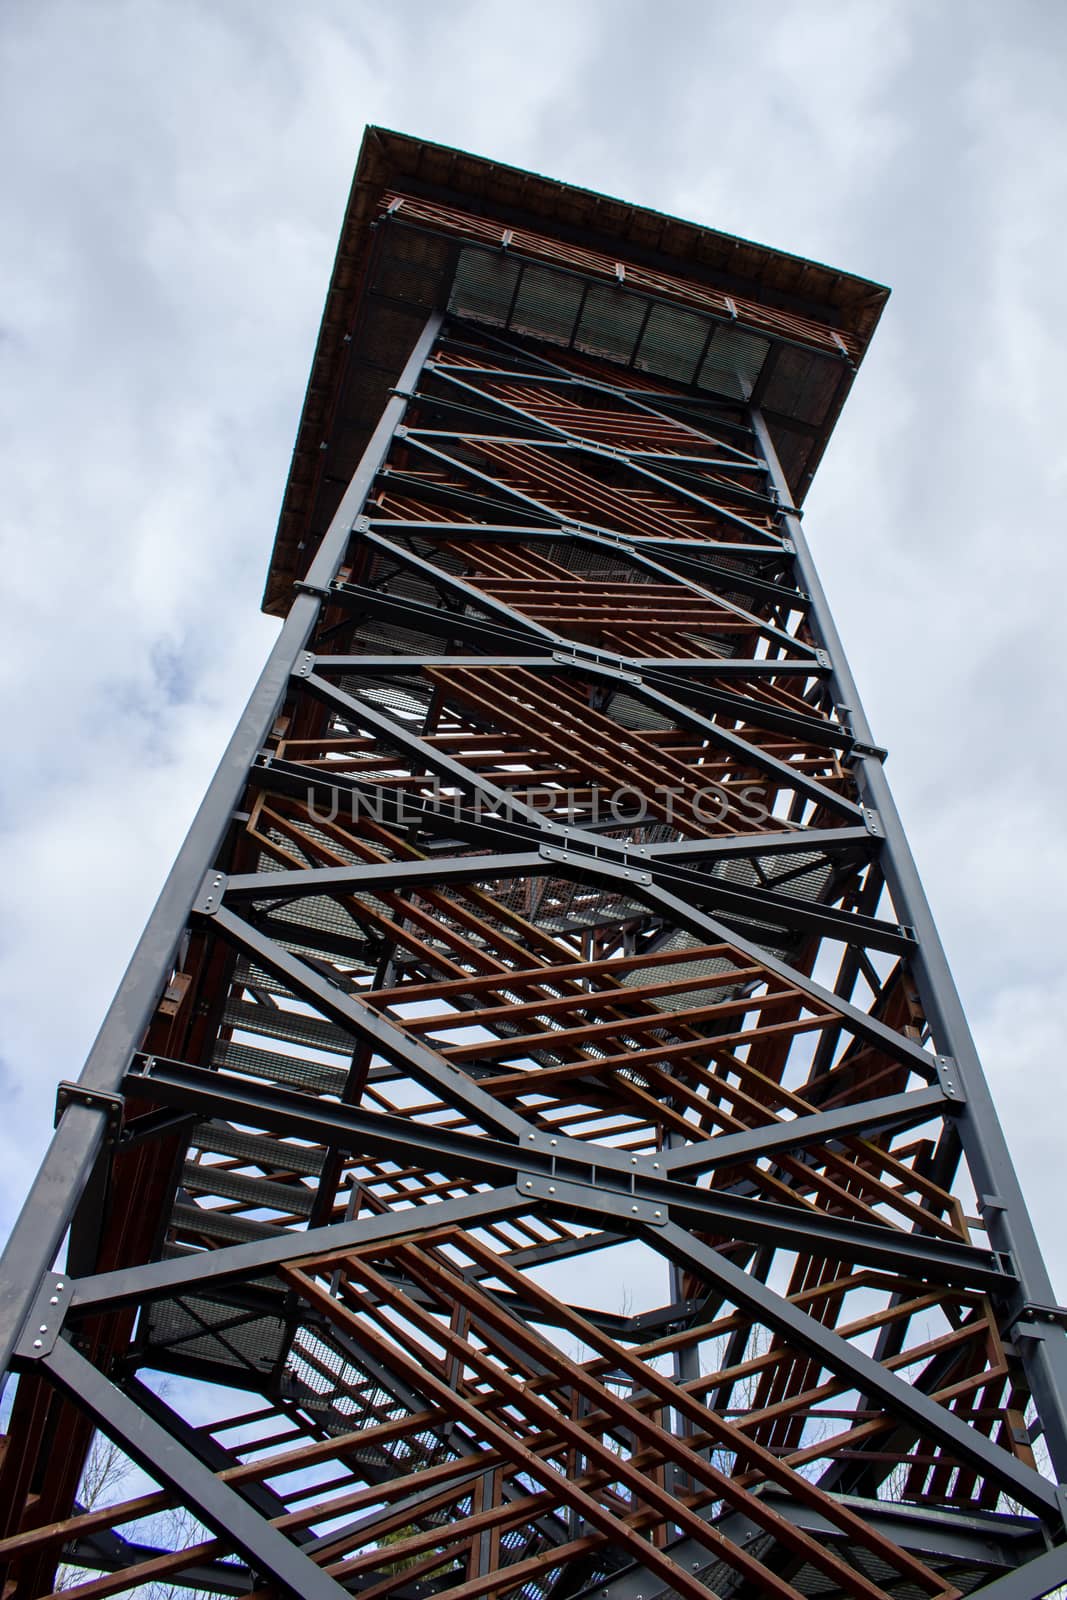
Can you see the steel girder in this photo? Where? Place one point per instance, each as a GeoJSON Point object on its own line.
{"type": "Point", "coordinates": [537, 1136]}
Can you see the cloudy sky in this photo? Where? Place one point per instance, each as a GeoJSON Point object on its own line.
{"type": "Point", "coordinates": [173, 180]}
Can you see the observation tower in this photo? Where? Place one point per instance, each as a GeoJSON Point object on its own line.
{"type": "Point", "coordinates": [538, 1140]}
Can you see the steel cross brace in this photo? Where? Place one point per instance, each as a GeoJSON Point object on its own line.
{"type": "Point", "coordinates": [492, 831]}
{"type": "Point", "coordinates": [945, 1536]}
{"type": "Point", "coordinates": [487, 481]}
{"type": "Point", "coordinates": [744, 1291]}
{"type": "Point", "coordinates": [1007, 1218]}
{"type": "Point", "coordinates": [353, 1013]}
{"type": "Point", "coordinates": [671, 707]}
{"type": "Point", "coordinates": [431, 1068]}
{"type": "Point", "coordinates": [622, 1187]}
{"type": "Point", "coordinates": [221, 1508]}
{"type": "Point", "coordinates": [759, 904]}
{"type": "Point", "coordinates": [514, 619]}
{"type": "Point", "coordinates": [691, 584]}
{"type": "Point", "coordinates": [664, 675]}
{"type": "Point", "coordinates": [869, 1376]}
{"type": "Point", "coordinates": [651, 403]}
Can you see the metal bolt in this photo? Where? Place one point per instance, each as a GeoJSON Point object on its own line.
{"type": "Point", "coordinates": [553, 1141]}
{"type": "Point", "coordinates": [657, 1213]}
{"type": "Point", "coordinates": [655, 1166]}
{"type": "Point", "coordinates": [529, 1183]}
{"type": "Point", "coordinates": [59, 1286]}
{"type": "Point", "coordinates": [54, 1300]}
{"type": "Point", "coordinates": [43, 1328]}
{"type": "Point", "coordinates": [552, 1188]}
{"type": "Point", "coordinates": [633, 1161]}
{"type": "Point", "coordinates": [37, 1344]}
{"type": "Point", "coordinates": [635, 1208]}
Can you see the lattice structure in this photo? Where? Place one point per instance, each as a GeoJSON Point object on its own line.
{"type": "Point", "coordinates": [537, 1141]}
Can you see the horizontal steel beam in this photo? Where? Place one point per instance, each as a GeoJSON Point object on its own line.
{"type": "Point", "coordinates": [395, 809]}
{"type": "Point", "coordinates": [555, 1171]}
{"type": "Point", "coordinates": [568, 655]}
{"type": "Point", "coordinates": [756, 904]}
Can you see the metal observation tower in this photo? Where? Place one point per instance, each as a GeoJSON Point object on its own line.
{"type": "Point", "coordinates": [537, 1151]}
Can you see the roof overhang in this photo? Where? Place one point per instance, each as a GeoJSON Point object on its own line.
{"type": "Point", "coordinates": [415, 207]}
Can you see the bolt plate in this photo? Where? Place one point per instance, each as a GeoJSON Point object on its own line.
{"type": "Point", "coordinates": [45, 1321]}
{"type": "Point", "coordinates": [614, 1206]}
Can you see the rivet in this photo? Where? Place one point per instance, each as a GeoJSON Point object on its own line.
{"type": "Point", "coordinates": [553, 1141]}
{"type": "Point", "coordinates": [37, 1344]}
{"type": "Point", "coordinates": [655, 1166]}
{"type": "Point", "coordinates": [54, 1300]}
{"type": "Point", "coordinates": [529, 1183]}
{"type": "Point", "coordinates": [633, 1161]}
{"type": "Point", "coordinates": [59, 1286]}
{"type": "Point", "coordinates": [635, 1208]}
{"type": "Point", "coordinates": [552, 1188]}
{"type": "Point", "coordinates": [657, 1213]}
{"type": "Point", "coordinates": [43, 1328]}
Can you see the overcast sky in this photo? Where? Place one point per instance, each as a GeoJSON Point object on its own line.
{"type": "Point", "coordinates": [173, 181]}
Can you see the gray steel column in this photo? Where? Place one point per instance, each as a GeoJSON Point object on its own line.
{"type": "Point", "coordinates": [1042, 1341]}
{"type": "Point", "coordinates": [42, 1224]}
